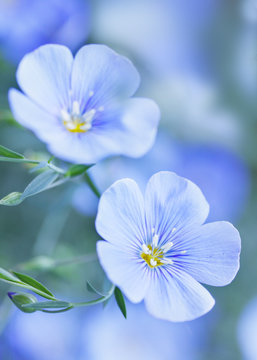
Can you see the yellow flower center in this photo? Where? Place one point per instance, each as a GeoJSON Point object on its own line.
{"type": "Point", "coordinates": [154, 254]}
{"type": "Point", "coordinates": [76, 122]}
{"type": "Point", "coordinates": [153, 258]}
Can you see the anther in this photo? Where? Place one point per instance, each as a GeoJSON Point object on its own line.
{"type": "Point", "coordinates": [153, 262]}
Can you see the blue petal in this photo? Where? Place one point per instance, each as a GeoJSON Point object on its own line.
{"type": "Point", "coordinates": [173, 203]}
{"type": "Point", "coordinates": [44, 125]}
{"type": "Point", "coordinates": [176, 296]}
{"type": "Point", "coordinates": [120, 217]}
{"type": "Point", "coordinates": [44, 75]}
{"type": "Point", "coordinates": [140, 119]}
{"type": "Point", "coordinates": [100, 71]}
{"type": "Point", "coordinates": [212, 253]}
{"type": "Point", "coordinates": [124, 270]}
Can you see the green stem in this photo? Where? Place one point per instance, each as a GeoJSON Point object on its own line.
{"type": "Point", "coordinates": [97, 301]}
{"type": "Point", "coordinates": [92, 185]}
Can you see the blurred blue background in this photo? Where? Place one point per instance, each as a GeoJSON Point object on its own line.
{"type": "Point", "coordinates": [198, 61]}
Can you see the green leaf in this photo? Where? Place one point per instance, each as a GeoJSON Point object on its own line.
{"type": "Point", "coordinates": [92, 289]}
{"type": "Point", "coordinates": [120, 301]}
{"type": "Point", "coordinates": [20, 299]}
{"type": "Point", "coordinates": [32, 282]}
{"type": "Point", "coordinates": [48, 305]}
{"type": "Point", "coordinates": [77, 169]}
{"type": "Point", "coordinates": [39, 184]}
{"type": "Point", "coordinates": [7, 153]}
{"type": "Point", "coordinates": [7, 276]}
{"type": "Point", "coordinates": [11, 199]}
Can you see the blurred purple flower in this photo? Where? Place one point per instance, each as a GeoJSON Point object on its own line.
{"type": "Point", "coordinates": [140, 336]}
{"type": "Point", "coordinates": [41, 336]}
{"type": "Point", "coordinates": [81, 108]}
{"type": "Point", "coordinates": [76, 334]}
{"type": "Point", "coordinates": [157, 249]}
{"type": "Point", "coordinates": [172, 28]}
{"type": "Point", "coordinates": [27, 24]}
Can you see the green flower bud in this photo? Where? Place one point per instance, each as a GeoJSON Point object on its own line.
{"type": "Point", "coordinates": [20, 299]}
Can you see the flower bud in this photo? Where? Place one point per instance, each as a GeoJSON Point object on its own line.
{"type": "Point", "coordinates": [20, 299]}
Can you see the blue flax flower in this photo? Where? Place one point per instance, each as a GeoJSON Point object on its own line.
{"type": "Point", "coordinates": [27, 24]}
{"type": "Point", "coordinates": [158, 249]}
{"type": "Point", "coordinates": [80, 106]}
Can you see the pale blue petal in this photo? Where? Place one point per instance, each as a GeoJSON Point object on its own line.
{"type": "Point", "coordinates": [100, 71]}
{"type": "Point", "coordinates": [176, 296]}
{"type": "Point", "coordinates": [212, 253]}
{"type": "Point", "coordinates": [128, 272]}
{"type": "Point", "coordinates": [129, 130]}
{"type": "Point", "coordinates": [140, 119]}
{"type": "Point", "coordinates": [27, 113]}
{"type": "Point", "coordinates": [44, 75]}
{"type": "Point", "coordinates": [120, 217]}
{"type": "Point", "coordinates": [173, 203]}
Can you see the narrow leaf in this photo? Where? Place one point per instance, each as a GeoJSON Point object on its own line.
{"type": "Point", "coordinates": [48, 305]}
{"type": "Point", "coordinates": [32, 282]}
{"type": "Point", "coordinates": [39, 166]}
{"type": "Point", "coordinates": [7, 276]}
{"type": "Point", "coordinates": [7, 153]}
{"type": "Point", "coordinates": [11, 199]}
{"type": "Point", "coordinates": [40, 183]}
{"type": "Point", "coordinates": [77, 169]}
{"type": "Point", "coordinates": [120, 301]}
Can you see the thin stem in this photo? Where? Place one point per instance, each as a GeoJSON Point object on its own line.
{"type": "Point", "coordinates": [36, 162]}
{"type": "Point", "coordinates": [55, 168]}
{"type": "Point", "coordinates": [92, 185]}
{"type": "Point", "coordinates": [97, 301]}
{"type": "Point", "coordinates": [76, 260]}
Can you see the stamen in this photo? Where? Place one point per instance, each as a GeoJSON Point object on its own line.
{"type": "Point", "coordinates": [88, 116]}
{"type": "Point", "coordinates": [65, 115]}
{"type": "Point", "coordinates": [145, 249]}
{"type": "Point", "coordinates": [166, 261]}
{"type": "Point", "coordinates": [155, 240]}
{"type": "Point", "coordinates": [183, 252]}
{"type": "Point", "coordinates": [75, 108]}
{"type": "Point", "coordinates": [173, 230]}
{"type": "Point", "coordinates": [91, 93]}
{"type": "Point", "coordinates": [166, 247]}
